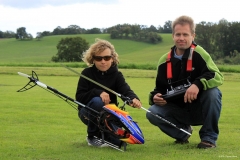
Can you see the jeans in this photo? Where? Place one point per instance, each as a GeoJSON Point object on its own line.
{"type": "Point", "coordinates": [204, 111]}
{"type": "Point", "coordinates": [89, 117]}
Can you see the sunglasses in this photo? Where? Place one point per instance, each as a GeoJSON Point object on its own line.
{"type": "Point", "coordinates": [100, 58]}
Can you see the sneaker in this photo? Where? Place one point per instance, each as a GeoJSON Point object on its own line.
{"type": "Point", "coordinates": [206, 145]}
{"type": "Point", "coordinates": [179, 141]}
{"type": "Point", "coordinates": [96, 142]}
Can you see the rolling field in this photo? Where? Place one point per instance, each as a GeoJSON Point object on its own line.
{"type": "Point", "coordinates": [132, 54]}
{"type": "Point", "coordinates": [14, 51]}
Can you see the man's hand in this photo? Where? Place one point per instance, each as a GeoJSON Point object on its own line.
{"type": "Point", "coordinates": [158, 100]}
{"type": "Point", "coordinates": [105, 98]}
{"type": "Point", "coordinates": [191, 93]}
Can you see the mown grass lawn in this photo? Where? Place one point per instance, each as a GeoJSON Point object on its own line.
{"type": "Point", "coordinates": [38, 125]}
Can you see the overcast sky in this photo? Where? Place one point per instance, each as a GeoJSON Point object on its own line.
{"type": "Point", "coordinates": [46, 15]}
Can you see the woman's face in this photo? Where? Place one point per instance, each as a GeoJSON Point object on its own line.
{"type": "Point", "coordinates": [103, 60]}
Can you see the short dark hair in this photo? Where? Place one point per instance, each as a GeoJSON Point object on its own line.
{"type": "Point", "coordinates": [184, 20]}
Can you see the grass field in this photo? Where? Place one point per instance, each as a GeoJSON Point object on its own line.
{"type": "Point", "coordinates": [15, 51]}
{"type": "Point", "coordinates": [38, 125]}
{"type": "Point", "coordinates": [132, 54]}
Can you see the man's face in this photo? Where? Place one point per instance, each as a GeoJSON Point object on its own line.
{"type": "Point", "coordinates": [182, 37]}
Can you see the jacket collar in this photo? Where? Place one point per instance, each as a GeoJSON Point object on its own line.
{"type": "Point", "coordinates": [186, 53]}
{"type": "Point", "coordinates": [112, 69]}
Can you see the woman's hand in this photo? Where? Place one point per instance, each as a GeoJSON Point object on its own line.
{"type": "Point", "coordinates": [105, 98]}
{"type": "Point", "coordinates": [136, 103]}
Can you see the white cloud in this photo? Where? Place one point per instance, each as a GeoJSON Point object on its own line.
{"type": "Point", "coordinates": [104, 14]}
{"type": "Point", "coordinates": [39, 3]}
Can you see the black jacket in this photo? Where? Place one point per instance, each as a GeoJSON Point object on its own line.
{"type": "Point", "coordinates": [112, 79]}
{"type": "Point", "coordinates": [204, 74]}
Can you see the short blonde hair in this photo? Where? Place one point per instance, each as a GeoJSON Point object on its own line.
{"type": "Point", "coordinates": [99, 46]}
{"type": "Point", "coordinates": [184, 20]}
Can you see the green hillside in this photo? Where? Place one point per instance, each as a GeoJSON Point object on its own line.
{"type": "Point", "coordinates": [15, 51]}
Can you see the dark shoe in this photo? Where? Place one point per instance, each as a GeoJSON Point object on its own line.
{"type": "Point", "coordinates": [179, 141]}
{"type": "Point", "coordinates": [114, 140]}
{"type": "Point", "coordinates": [96, 142]}
{"type": "Point", "coordinates": [206, 145]}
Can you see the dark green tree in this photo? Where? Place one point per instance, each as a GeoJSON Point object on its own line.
{"type": "Point", "coordinates": [94, 31]}
{"type": "Point", "coordinates": [39, 35]}
{"type": "Point", "coordinates": [160, 29]}
{"type": "Point", "coordinates": [46, 33]}
{"type": "Point", "coordinates": [234, 37]}
{"type": "Point", "coordinates": [228, 36]}
{"type": "Point", "coordinates": [57, 31]}
{"type": "Point", "coordinates": [70, 49]}
{"type": "Point", "coordinates": [135, 29]}
{"type": "Point", "coordinates": [222, 36]}
{"type": "Point", "coordinates": [9, 34]}
{"type": "Point", "coordinates": [206, 36]}
{"type": "Point", "coordinates": [1, 34]}
{"type": "Point", "coordinates": [152, 29]}
{"type": "Point", "coordinates": [135, 32]}
{"type": "Point", "coordinates": [126, 30]}
{"type": "Point", "coordinates": [167, 28]}
{"type": "Point", "coordinates": [114, 34]}
{"type": "Point", "coordinates": [74, 29]}
{"type": "Point", "coordinates": [21, 33]}
{"type": "Point", "coordinates": [153, 37]}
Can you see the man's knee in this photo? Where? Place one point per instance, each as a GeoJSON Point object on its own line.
{"type": "Point", "coordinates": [211, 100]}
{"type": "Point", "coordinates": [151, 118]}
{"type": "Point", "coordinates": [213, 93]}
{"type": "Point", "coordinates": [149, 115]}
{"type": "Point", "coordinates": [152, 115]}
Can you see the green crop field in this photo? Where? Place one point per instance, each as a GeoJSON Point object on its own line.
{"type": "Point", "coordinates": [38, 125]}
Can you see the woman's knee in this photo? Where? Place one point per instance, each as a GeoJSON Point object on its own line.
{"type": "Point", "coordinates": [83, 115]}
{"type": "Point", "coordinates": [96, 103]}
{"type": "Point", "coordinates": [97, 100]}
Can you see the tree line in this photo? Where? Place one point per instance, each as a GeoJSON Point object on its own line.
{"type": "Point", "coordinates": [75, 29]}
{"type": "Point", "coordinates": [220, 39]}
{"type": "Point", "coordinates": [135, 32]}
